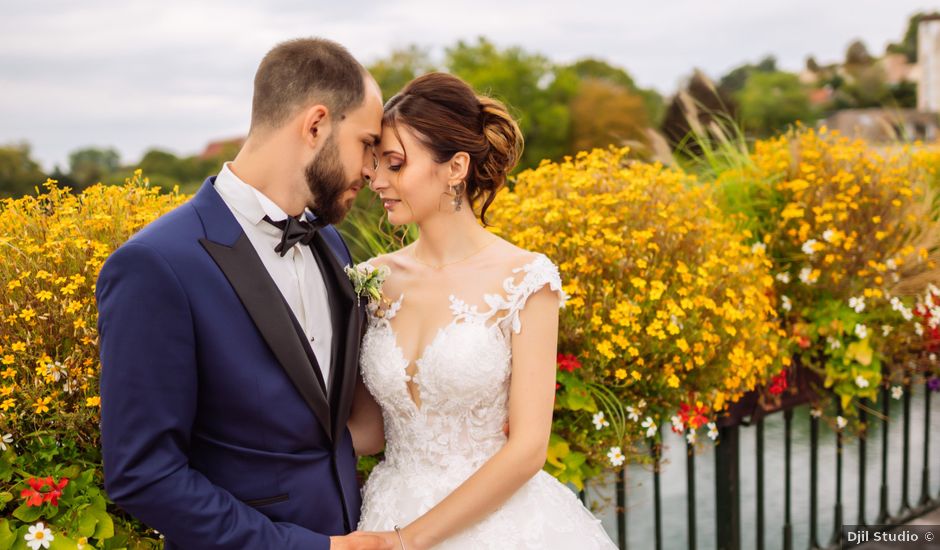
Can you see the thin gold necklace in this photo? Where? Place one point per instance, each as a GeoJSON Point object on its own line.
{"type": "Point", "coordinates": [414, 255]}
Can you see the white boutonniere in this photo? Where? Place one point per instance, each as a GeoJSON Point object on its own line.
{"type": "Point", "coordinates": [367, 281]}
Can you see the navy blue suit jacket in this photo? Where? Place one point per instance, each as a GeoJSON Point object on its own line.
{"type": "Point", "coordinates": [216, 426]}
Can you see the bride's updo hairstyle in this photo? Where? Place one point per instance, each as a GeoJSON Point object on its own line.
{"type": "Point", "coordinates": [448, 117]}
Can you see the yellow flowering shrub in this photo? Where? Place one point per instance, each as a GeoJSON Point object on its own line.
{"type": "Point", "coordinates": [853, 237]}
{"type": "Point", "coordinates": [52, 246]}
{"type": "Point", "coordinates": [670, 311]}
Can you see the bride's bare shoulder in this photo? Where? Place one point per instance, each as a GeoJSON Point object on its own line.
{"type": "Point", "coordinates": [511, 256]}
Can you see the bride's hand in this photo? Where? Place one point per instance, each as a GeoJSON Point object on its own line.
{"type": "Point", "coordinates": [364, 541]}
{"type": "Point", "coordinates": [391, 538]}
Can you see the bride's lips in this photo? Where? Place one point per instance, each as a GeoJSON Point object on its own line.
{"type": "Point", "coordinates": [390, 203]}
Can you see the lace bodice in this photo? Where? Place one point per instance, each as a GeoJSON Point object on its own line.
{"type": "Point", "coordinates": [463, 376]}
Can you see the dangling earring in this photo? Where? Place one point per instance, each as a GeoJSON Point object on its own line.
{"type": "Point", "coordinates": [458, 191]}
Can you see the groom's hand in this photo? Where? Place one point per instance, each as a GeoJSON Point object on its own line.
{"type": "Point", "coordinates": [362, 541]}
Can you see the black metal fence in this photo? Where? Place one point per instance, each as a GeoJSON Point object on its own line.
{"type": "Point", "coordinates": [731, 534]}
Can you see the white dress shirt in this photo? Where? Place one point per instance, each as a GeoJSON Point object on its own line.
{"type": "Point", "coordinates": [296, 274]}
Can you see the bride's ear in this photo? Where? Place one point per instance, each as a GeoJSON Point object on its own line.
{"type": "Point", "coordinates": [459, 167]}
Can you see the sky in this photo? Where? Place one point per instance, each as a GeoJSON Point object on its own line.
{"type": "Point", "coordinates": [176, 74]}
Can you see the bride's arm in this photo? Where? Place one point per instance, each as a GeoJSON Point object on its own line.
{"type": "Point", "coordinates": [531, 400]}
{"type": "Point", "coordinates": [365, 422]}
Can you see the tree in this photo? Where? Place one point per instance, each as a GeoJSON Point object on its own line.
{"type": "Point", "coordinates": [19, 173]}
{"type": "Point", "coordinates": [771, 101]}
{"type": "Point", "coordinates": [590, 68]}
{"type": "Point", "coordinates": [857, 54]}
{"type": "Point", "coordinates": [604, 113]}
{"type": "Point", "coordinates": [908, 44]}
{"type": "Point", "coordinates": [91, 165]}
{"type": "Point", "coordinates": [401, 67]}
{"type": "Point", "coordinates": [734, 81]}
{"type": "Point", "coordinates": [537, 92]}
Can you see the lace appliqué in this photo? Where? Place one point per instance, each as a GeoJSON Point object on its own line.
{"type": "Point", "coordinates": [463, 378]}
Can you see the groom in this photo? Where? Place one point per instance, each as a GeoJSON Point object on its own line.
{"type": "Point", "coordinates": [230, 334]}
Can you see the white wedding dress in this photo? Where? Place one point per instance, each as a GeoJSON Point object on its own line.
{"type": "Point", "coordinates": [463, 376]}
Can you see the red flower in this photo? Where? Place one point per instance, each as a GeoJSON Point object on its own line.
{"type": "Point", "coordinates": [568, 362]}
{"type": "Point", "coordinates": [694, 417]}
{"type": "Point", "coordinates": [35, 496]}
{"type": "Point", "coordinates": [778, 383]}
{"type": "Point", "coordinates": [55, 492]}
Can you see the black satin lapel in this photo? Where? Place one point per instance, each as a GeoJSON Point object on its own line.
{"type": "Point", "coordinates": [342, 313]}
{"type": "Point", "coordinates": [273, 318]}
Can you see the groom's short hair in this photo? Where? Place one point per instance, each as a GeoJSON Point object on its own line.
{"type": "Point", "coordinates": [302, 72]}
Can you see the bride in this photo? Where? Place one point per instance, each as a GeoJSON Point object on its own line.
{"type": "Point", "coordinates": [464, 343]}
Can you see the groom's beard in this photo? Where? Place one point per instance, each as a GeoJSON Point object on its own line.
{"type": "Point", "coordinates": [326, 180]}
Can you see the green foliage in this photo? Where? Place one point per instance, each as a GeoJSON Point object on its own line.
{"type": "Point", "coordinates": [91, 165]}
{"type": "Point", "coordinates": [537, 92]}
{"type": "Point", "coordinates": [401, 67]}
{"type": "Point", "coordinates": [772, 101]}
{"type": "Point", "coordinates": [19, 173]}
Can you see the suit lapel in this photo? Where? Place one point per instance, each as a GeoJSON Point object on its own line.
{"type": "Point", "coordinates": [231, 250]}
{"type": "Point", "coordinates": [344, 316]}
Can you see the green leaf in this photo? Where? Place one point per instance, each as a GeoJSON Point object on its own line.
{"type": "Point", "coordinates": [105, 528]}
{"type": "Point", "coordinates": [87, 522]}
{"type": "Point", "coordinates": [28, 514]}
{"type": "Point", "coordinates": [558, 449]}
{"type": "Point", "coordinates": [5, 498]}
{"type": "Point", "coordinates": [6, 535]}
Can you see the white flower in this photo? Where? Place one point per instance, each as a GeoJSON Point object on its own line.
{"type": "Point", "coordinates": [886, 330]}
{"type": "Point", "coordinates": [6, 440]}
{"type": "Point", "coordinates": [806, 275]}
{"type": "Point", "coordinates": [897, 392]}
{"type": "Point", "coordinates": [690, 437]}
{"type": "Point", "coordinates": [642, 404]}
{"type": "Point", "coordinates": [57, 370]}
{"type": "Point", "coordinates": [785, 303]}
{"type": "Point", "coordinates": [827, 235]}
{"type": "Point", "coordinates": [677, 424]}
{"type": "Point", "coordinates": [38, 536]}
{"type": "Point", "coordinates": [919, 329]}
{"type": "Point", "coordinates": [841, 422]}
{"type": "Point", "coordinates": [932, 357]}
{"type": "Point", "coordinates": [809, 247]}
{"type": "Point", "coordinates": [861, 331]}
{"type": "Point", "coordinates": [861, 381]}
{"type": "Point", "coordinates": [891, 264]}
{"type": "Point", "coordinates": [599, 421]}
{"type": "Point", "coordinates": [815, 412]}
{"type": "Point", "coordinates": [858, 304]}
{"type": "Point", "coordinates": [758, 247]}
{"type": "Point", "coordinates": [783, 277]}
{"type": "Point", "coordinates": [616, 456]}
{"type": "Point", "coordinates": [712, 431]}
{"type": "Point", "coordinates": [834, 343]}
{"type": "Point", "coordinates": [650, 426]}
{"type": "Point", "coordinates": [633, 414]}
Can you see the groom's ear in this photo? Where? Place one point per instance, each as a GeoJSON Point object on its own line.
{"type": "Point", "coordinates": [315, 125]}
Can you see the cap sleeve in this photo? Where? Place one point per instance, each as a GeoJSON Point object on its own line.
{"type": "Point", "coordinates": [528, 280]}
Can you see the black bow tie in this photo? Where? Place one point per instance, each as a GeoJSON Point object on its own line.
{"type": "Point", "coordinates": [295, 231]}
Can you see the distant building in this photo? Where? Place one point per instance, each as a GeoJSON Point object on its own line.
{"type": "Point", "coordinates": [928, 57]}
{"type": "Point", "coordinates": [880, 125]}
{"type": "Point", "coordinates": [216, 148]}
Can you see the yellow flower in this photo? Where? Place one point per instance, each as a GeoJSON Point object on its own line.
{"type": "Point", "coordinates": [27, 314]}
{"type": "Point", "coordinates": [18, 346]}
{"type": "Point", "coordinates": [7, 404]}
{"type": "Point", "coordinates": [42, 404]}
{"type": "Point", "coordinates": [93, 401]}
{"type": "Point", "coordinates": [44, 295]}
{"type": "Point", "coordinates": [673, 381]}
{"type": "Point", "coordinates": [620, 374]}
